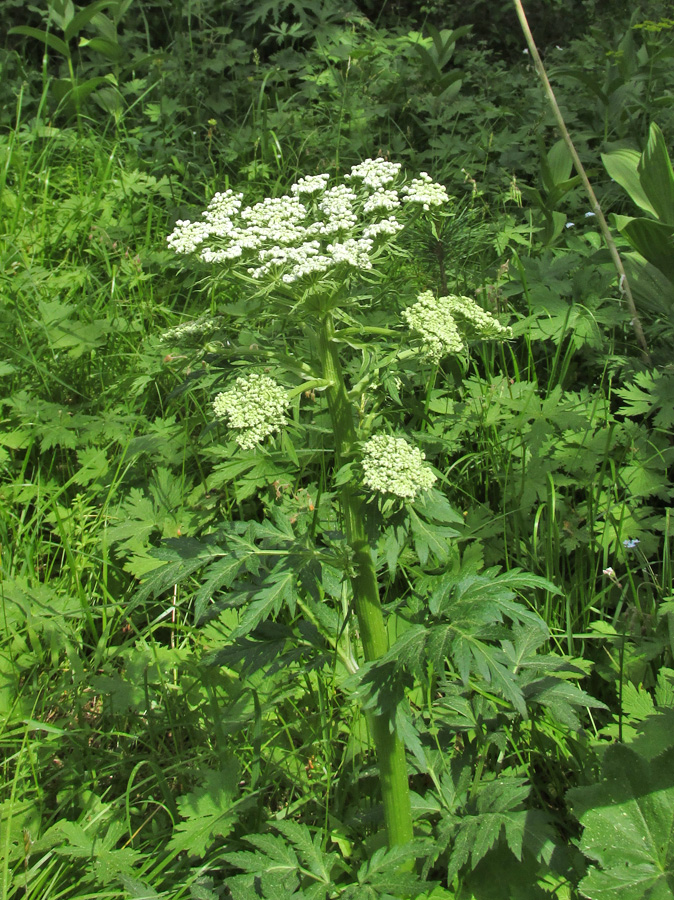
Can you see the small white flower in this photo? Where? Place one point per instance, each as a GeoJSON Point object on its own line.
{"type": "Point", "coordinates": [223, 206]}
{"type": "Point", "coordinates": [312, 266]}
{"type": "Point", "coordinates": [392, 466]}
{"type": "Point", "coordinates": [337, 207]}
{"type": "Point", "coordinates": [254, 408]}
{"type": "Point", "coordinates": [279, 256]}
{"type": "Point", "coordinates": [186, 236]}
{"type": "Point", "coordinates": [311, 229]}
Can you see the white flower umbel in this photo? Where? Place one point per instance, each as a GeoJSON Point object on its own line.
{"type": "Point", "coordinates": [387, 200]}
{"type": "Point", "coordinates": [392, 466]}
{"type": "Point", "coordinates": [254, 408]}
{"type": "Point", "coordinates": [313, 229]}
{"type": "Point", "coordinates": [425, 191]}
{"type": "Point", "coordinates": [443, 324]}
{"type": "Point", "coordinates": [337, 207]}
{"type": "Point", "coordinates": [310, 184]}
{"type": "Point", "coordinates": [375, 173]}
{"type": "Point", "coordinates": [384, 226]}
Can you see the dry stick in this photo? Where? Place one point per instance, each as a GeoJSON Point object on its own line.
{"type": "Point", "coordinates": [623, 283]}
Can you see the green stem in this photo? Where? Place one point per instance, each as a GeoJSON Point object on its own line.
{"type": "Point", "coordinates": [389, 748]}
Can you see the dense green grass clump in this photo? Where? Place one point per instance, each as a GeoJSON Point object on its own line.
{"type": "Point", "coordinates": [194, 702]}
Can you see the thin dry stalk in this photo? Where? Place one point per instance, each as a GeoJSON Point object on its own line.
{"type": "Point", "coordinates": [623, 283]}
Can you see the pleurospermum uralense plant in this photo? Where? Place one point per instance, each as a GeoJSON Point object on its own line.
{"type": "Point", "coordinates": [347, 339]}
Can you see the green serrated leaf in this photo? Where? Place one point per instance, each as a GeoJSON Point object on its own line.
{"type": "Point", "coordinates": [429, 538]}
{"type": "Point", "coordinates": [137, 889]}
{"type": "Point", "coordinates": [637, 702]}
{"type": "Point", "coordinates": [279, 589]}
{"type": "Point", "coordinates": [313, 857]}
{"type": "Point", "coordinates": [220, 574]}
{"type": "Point", "coordinates": [655, 734]}
{"type": "Point", "coordinates": [209, 811]}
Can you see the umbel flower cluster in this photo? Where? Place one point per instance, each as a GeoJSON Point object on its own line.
{"type": "Point", "coordinates": [392, 466]}
{"type": "Point", "coordinates": [443, 324]}
{"type": "Point", "coordinates": [314, 228]}
{"type": "Point", "coordinates": [254, 408]}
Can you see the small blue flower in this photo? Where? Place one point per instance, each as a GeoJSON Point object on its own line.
{"type": "Point", "coordinates": [630, 543]}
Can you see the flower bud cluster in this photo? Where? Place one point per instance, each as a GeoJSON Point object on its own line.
{"type": "Point", "coordinates": [475, 321]}
{"type": "Point", "coordinates": [393, 466]}
{"type": "Point", "coordinates": [434, 323]}
{"type": "Point", "coordinates": [312, 229]}
{"type": "Point", "coordinates": [443, 324]}
{"type": "Point", "coordinates": [191, 329]}
{"type": "Point", "coordinates": [254, 408]}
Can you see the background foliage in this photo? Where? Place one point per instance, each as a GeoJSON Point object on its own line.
{"type": "Point", "coordinates": [145, 753]}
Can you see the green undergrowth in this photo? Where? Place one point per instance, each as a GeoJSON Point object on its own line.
{"type": "Point", "coordinates": [145, 751]}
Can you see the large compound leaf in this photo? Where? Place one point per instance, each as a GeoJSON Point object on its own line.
{"type": "Point", "coordinates": [628, 822]}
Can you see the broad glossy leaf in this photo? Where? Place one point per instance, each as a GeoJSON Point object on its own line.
{"type": "Point", "coordinates": [656, 176]}
{"type": "Point", "coordinates": [84, 16]}
{"type": "Point", "coordinates": [559, 165]}
{"type": "Point", "coordinates": [655, 242]}
{"type": "Point", "coordinates": [49, 39]}
{"type": "Point", "coordinates": [622, 166]}
{"type": "Point", "coordinates": [628, 822]}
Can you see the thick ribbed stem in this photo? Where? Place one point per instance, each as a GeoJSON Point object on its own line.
{"type": "Point", "coordinates": [390, 750]}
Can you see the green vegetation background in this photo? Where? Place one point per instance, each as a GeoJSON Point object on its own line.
{"type": "Point", "coordinates": [132, 766]}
